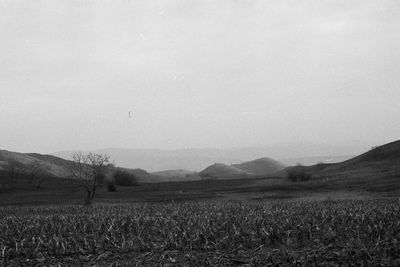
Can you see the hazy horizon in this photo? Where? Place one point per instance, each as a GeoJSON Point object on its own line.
{"type": "Point", "coordinates": [350, 147]}
{"type": "Point", "coordinates": [197, 74]}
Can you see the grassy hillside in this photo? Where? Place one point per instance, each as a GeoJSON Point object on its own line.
{"type": "Point", "coordinates": [379, 168]}
{"type": "Point", "coordinates": [49, 165]}
{"type": "Point", "coordinates": [386, 156]}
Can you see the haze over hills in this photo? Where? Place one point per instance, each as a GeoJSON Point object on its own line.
{"type": "Point", "coordinates": [194, 159]}
{"type": "Point", "coordinates": [156, 160]}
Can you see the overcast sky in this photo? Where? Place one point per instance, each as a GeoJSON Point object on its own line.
{"type": "Point", "coordinates": [197, 73]}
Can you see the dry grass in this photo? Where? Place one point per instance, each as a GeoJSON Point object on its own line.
{"type": "Point", "coordinates": [204, 234]}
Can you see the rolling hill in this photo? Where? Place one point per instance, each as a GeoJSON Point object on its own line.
{"type": "Point", "coordinates": [260, 167]}
{"type": "Point", "coordinates": [250, 169]}
{"type": "Point", "coordinates": [223, 171]}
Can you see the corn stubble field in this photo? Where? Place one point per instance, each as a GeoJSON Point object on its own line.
{"type": "Point", "coordinates": [316, 233]}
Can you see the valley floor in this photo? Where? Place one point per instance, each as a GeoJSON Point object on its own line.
{"type": "Point", "coordinates": [61, 191]}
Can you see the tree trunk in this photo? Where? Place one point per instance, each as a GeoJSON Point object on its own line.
{"type": "Point", "coordinates": [89, 196]}
{"type": "Point", "coordinates": [88, 200]}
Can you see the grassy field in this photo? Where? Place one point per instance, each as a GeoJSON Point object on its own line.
{"type": "Point", "coordinates": [61, 191]}
{"type": "Point", "coordinates": [204, 233]}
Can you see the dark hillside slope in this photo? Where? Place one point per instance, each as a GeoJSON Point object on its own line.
{"type": "Point", "coordinates": [386, 155]}
{"type": "Point", "coordinates": [50, 159]}
{"type": "Point", "coordinates": [51, 166]}
{"type": "Point", "coordinates": [379, 168]}
{"type": "Point", "coordinates": [141, 175]}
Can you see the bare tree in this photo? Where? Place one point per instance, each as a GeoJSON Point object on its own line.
{"type": "Point", "coordinates": [88, 170]}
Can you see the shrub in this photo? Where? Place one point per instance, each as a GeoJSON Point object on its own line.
{"type": "Point", "coordinates": [111, 187]}
{"type": "Point", "coordinates": [298, 173]}
{"type": "Point", "coordinates": [124, 178]}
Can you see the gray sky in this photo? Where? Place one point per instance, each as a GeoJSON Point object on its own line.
{"type": "Point", "coordinates": [197, 73]}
